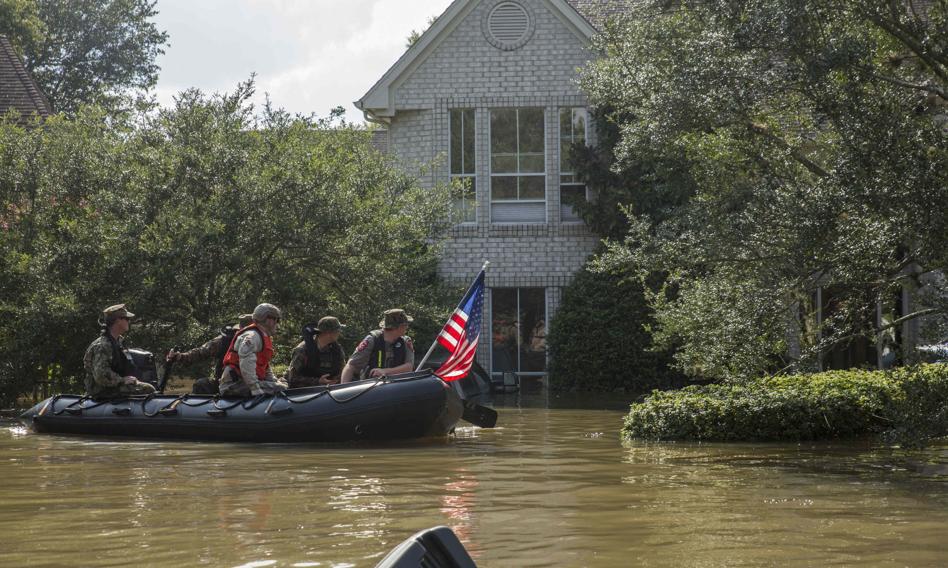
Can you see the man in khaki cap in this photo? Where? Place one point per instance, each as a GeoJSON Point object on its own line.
{"type": "Point", "coordinates": [214, 349]}
{"type": "Point", "coordinates": [319, 358]}
{"type": "Point", "coordinates": [109, 370]}
{"type": "Point", "coordinates": [385, 351]}
{"type": "Point", "coordinates": [247, 369]}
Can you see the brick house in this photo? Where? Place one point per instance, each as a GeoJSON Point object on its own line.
{"type": "Point", "coordinates": [489, 93]}
{"type": "Point", "coordinates": [18, 89]}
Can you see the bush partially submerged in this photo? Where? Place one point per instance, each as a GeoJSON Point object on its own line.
{"type": "Point", "coordinates": [907, 406]}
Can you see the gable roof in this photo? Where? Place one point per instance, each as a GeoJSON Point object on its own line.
{"type": "Point", "coordinates": [379, 100]}
{"type": "Point", "coordinates": [18, 89]}
{"type": "Point", "coordinates": [597, 12]}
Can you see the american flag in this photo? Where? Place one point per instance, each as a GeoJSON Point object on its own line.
{"type": "Point", "coordinates": [459, 336]}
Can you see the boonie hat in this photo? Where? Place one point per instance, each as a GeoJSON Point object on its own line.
{"type": "Point", "coordinates": [329, 324]}
{"type": "Point", "coordinates": [395, 318]}
{"type": "Point", "coordinates": [115, 312]}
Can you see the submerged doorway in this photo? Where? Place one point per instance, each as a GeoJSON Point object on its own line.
{"type": "Point", "coordinates": [518, 332]}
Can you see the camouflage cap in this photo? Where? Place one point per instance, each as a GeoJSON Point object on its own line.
{"type": "Point", "coordinates": [395, 318]}
{"type": "Point", "coordinates": [115, 312]}
{"type": "Point", "coordinates": [243, 320]}
{"type": "Point", "coordinates": [264, 311]}
{"type": "Point", "coordinates": [329, 324]}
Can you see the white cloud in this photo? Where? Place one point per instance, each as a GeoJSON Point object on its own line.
{"type": "Point", "coordinates": [310, 56]}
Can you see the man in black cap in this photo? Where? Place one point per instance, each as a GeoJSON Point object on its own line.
{"type": "Point", "coordinates": [319, 358]}
{"type": "Point", "coordinates": [214, 349]}
{"type": "Point", "coordinates": [109, 369]}
{"type": "Point", "coordinates": [385, 351]}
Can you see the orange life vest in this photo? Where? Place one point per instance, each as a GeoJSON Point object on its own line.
{"type": "Point", "coordinates": [232, 360]}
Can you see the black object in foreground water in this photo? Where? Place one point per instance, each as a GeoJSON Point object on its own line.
{"type": "Point", "coordinates": [436, 547]}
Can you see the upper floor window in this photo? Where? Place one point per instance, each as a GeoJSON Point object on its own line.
{"type": "Point", "coordinates": [517, 165]}
{"type": "Point", "coordinates": [462, 157]}
{"type": "Point", "coordinates": [572, 191]}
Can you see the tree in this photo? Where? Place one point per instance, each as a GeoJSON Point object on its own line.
{"type": "Point", "coordinates": [607, 315]}
{"type": "Point", "coordinates": [86, 51]}
{"type": "Point", "coordinates": [21, 23]}
{"type": "Point", "coordinates": [415, 35]}
{"type": "Point", "coordinates": [195, 214]}
{"type": "Point", "coordinates": [808, 139]}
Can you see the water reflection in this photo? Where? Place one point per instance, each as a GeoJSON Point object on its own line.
{"type": "Point", "coordinates": [548, 488]}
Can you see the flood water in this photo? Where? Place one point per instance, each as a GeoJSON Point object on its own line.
{"type": "Point", "coordinates": [550, 487]}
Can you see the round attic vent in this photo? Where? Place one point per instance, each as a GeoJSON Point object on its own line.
{"type": "Point", "coordinates": [508, 25]}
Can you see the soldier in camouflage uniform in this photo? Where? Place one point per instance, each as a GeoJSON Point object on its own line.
{"type": "Point", "coordinates": [109, 370]}
{"type": "Point", "coordinates": [319, 358]}
{"type": "Point", "coordinates": [214, 349]}
{"type": "Point", "coordinates": [385, 351]}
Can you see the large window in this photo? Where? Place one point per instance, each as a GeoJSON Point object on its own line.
{"type": "Point", "coordinates": [518, 330]}
{"type": "Point", "coordinates": [462, 163]}
{"type": "Point", "coordinates": [517, 165]}
{"type": "Point", "coordinates": [572, 190]}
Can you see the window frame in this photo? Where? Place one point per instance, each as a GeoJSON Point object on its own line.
{"type": "Point", "coordinates": [517, 175]}
{"type": "Point", "coordinates": [546, 319]}
{"type": "Point", "coordinates": [472, 175]}
{"type": "Point", "coordinates": [572, 183]}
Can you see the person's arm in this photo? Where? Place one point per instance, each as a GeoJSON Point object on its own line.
{"type": "Point", "coordinates": [297, 362]}
{"type": "Point", "coordinates": [348, 372]}
{"type": "Point", "coordinates": [358, 360]}
{"type": "Point", "coordinates": [248, 345]}
{"type": "Point", "coordinates": [206, 351]}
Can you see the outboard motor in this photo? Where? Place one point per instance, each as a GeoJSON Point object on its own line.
{"type": "Point", "coordinates": [145, 367]}
{"type": "Point", "coordinates": [436, 547]}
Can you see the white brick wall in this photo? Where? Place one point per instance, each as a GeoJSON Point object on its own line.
{"type": "Point", "coordinates": [465, 71]}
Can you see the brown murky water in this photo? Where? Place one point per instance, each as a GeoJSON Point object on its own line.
{"type": "Point", "coordinates": [552, 487]}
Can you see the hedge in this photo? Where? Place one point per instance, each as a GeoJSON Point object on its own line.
{"type": "Point", "coordinates": [907, 406]}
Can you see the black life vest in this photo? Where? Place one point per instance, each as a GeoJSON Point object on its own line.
{"type": "Point", "coordinates": [227, 337]}
{"type": "Point", "coordinates": [319, 364]}
{"type": "Point", "coordinates": [121, 360]}
{"type": "Point", "coordinates": [377, 359]}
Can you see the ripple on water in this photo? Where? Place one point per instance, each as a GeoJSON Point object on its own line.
{"type": "Point", "coordinates": [552, 487]}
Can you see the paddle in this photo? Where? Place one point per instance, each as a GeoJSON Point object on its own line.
{"type": "Point", "coordinates": [479, 415]}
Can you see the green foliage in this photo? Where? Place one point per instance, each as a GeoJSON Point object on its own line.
{"type": "Point", "coordinates": [599, 339]}
{"type": "Point", "coordinates": [906, 406]}
{"type": "Point", "coordinates": [195, 214]}
{"type": "Point", "coordinates": [21, 23]}
{"type": "Point", "coordinates": [86, 51]}
{"type": "Point", "coordinates": [769, 148]}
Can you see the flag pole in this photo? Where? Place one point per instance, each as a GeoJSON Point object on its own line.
{"type": "Point", "coordinates": [435, 342]}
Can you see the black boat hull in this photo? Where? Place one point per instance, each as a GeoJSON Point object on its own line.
{"type": "Point", "coordinates": [417, 405]}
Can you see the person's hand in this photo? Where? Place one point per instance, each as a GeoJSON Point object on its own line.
{"type": "Point", "coordinates": [376, 373]}
{"type": "Point", "coordinates": [325, 380]}
{"type": "Point", "coordinates": [130, 380]}
{"type": "Point", "coordinates": [172, 356]}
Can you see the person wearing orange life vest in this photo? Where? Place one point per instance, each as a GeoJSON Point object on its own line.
{"type": "Point", "coordinates": [247, 362]}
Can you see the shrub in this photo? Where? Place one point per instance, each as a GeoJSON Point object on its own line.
{"type": "Point", "coordinates": [599, 339]}
{"type": "Point", "coordinates": [907, 406]}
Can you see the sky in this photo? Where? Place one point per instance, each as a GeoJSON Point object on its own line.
{"type": "Point", "coordinates": [308, 55]}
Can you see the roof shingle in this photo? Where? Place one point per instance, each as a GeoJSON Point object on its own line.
{"type": "Point", "coordinates": [597, 12]}
{"type": "Point", "coordinates": [18, 89]}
